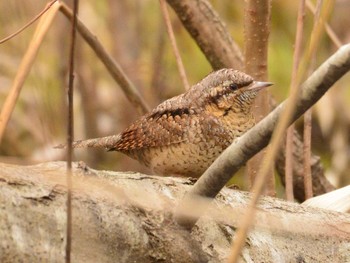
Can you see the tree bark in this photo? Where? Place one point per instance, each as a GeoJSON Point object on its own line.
{"type": "Point", "coordinates": [209, 32]}
{"type": "Point", "coordinates": [257, 16]}
{"type": "Point", "coordinates": [127, 217]}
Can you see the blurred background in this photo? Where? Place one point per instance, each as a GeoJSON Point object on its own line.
{"type": "Point", "coordinates": [133, 32]}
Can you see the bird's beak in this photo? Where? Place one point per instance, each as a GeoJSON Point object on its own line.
{"type": "Point", "coordinates": [258, 85]}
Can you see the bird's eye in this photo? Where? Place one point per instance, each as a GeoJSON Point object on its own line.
{"type": "Point", "coordinates": [233, 86]}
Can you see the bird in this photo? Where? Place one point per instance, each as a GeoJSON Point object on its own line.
{"type": "Point", "coordinates": [184, 135]}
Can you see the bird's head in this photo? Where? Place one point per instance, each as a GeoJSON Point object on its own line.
{"type": "Point", "coordinates": [228, 89]}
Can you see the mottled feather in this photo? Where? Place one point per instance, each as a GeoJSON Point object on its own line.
{"type": "Point", "coordinates": [185, 134]}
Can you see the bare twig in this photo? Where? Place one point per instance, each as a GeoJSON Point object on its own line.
{"type": "Point", "coordinates": [169, 28]}
{"type": "Point", "coordinates": [70, 132]}
{"type": "Point", "coordinates": [47, 7]}
{"type": "Point", "coordinates": [112, 66]}
{"type": "Point", "coordinates": [294, 84]}
{"type": "Point", "coordinates": [307, 154]}
{"type": "Point", "coordinates": [218, 174]}
{"type": "Point", "coordinates": [332, 35]}
{"type": "Point", "coordinates": [308, 117]}
{"type": "Point", "coordinates": [25, 66]}
{"type": "Point", "coordinates": [289, 163]}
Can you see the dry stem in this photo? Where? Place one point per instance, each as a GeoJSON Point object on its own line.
{"type": "Point", "coordinates": [169, 28]}
{"type": "Point", "coordinates": [112, 66]}
{"type": "Point", "coordinates": [294, 84]}
{"type": "Point", "coordinates": [25, 66]}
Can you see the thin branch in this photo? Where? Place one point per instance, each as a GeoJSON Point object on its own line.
{"type": "Point", "coordinates": [70, 131]}
{"type": "Point", "coordinates": [26, 64]}
{"type": "Point", "coordinates": [294, 84]}
{"type": "Point", "coordinates": [321, 15]}
{"type": "Point", "coordinates": [47, 7]}
{"type": "Point", "coordinates": [228, 163]}
{"type": "Point", "coordinates": [307, 154]}
{"type": "Point", "coordinates": [170, 31]}
{"type": "Point", "coordinates": [308, 117]}
{"type": "Point", "coordinates": [332, 35]}
{"type": "Point", "coordinates": [111, 65]}
{"type": "Point", "coordinates": [289, 163]}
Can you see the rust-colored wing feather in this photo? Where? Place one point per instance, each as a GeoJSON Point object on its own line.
{"type": "Point", "coordinates": [167, 124]}
{"type": "Point", "coordinates": [154, 130]}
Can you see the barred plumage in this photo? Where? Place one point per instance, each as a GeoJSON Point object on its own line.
{"type": "Point", "coordinates": [185, 134]}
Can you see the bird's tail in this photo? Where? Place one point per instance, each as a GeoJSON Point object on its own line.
{"type": "Point", "coordinates": [103, 142]}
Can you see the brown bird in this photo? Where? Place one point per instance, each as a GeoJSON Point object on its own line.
{"type": "Point", "coordinates": [185, 134]}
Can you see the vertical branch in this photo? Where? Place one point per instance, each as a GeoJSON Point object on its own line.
{"type": "Point", "coordinates": [308, 120]}
{"type": "Point", "coordinates": [256, 30]}
{"type": "Point", "coordinates": [321, 14]}
{"type": "Point", "coordinates": [70, 133]}
{"type": "Point", "coordinates": [173, 44]}
{"type": "Point", "coordinates": [290, 131]}
{"type": "Point", "coordinates": [307, 154]}
{"type": "Point", "coordinates": [289, 161]}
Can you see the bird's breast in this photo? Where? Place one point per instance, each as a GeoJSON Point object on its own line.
{"type": "Point", "coordinates": [183, 159]}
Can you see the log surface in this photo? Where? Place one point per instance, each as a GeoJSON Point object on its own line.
{"type": "Point", "coordinates": [127, 217]}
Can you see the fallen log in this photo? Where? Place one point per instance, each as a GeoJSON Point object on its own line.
{"type": "Point", "coordinates": [127, 217]}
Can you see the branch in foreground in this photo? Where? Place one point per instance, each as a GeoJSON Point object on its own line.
{"type": "Point", "coordinates": [215, 48]}
{"type": "Point", "coordinates": [228, 163]}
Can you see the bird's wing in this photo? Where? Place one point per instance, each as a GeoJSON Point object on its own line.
{"type": "Point", "coordinates": [167, 124]}
{"type": "Point", "coordinates": [156, 131]}
{"type": "Point", "coordinates": [163, 128]}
